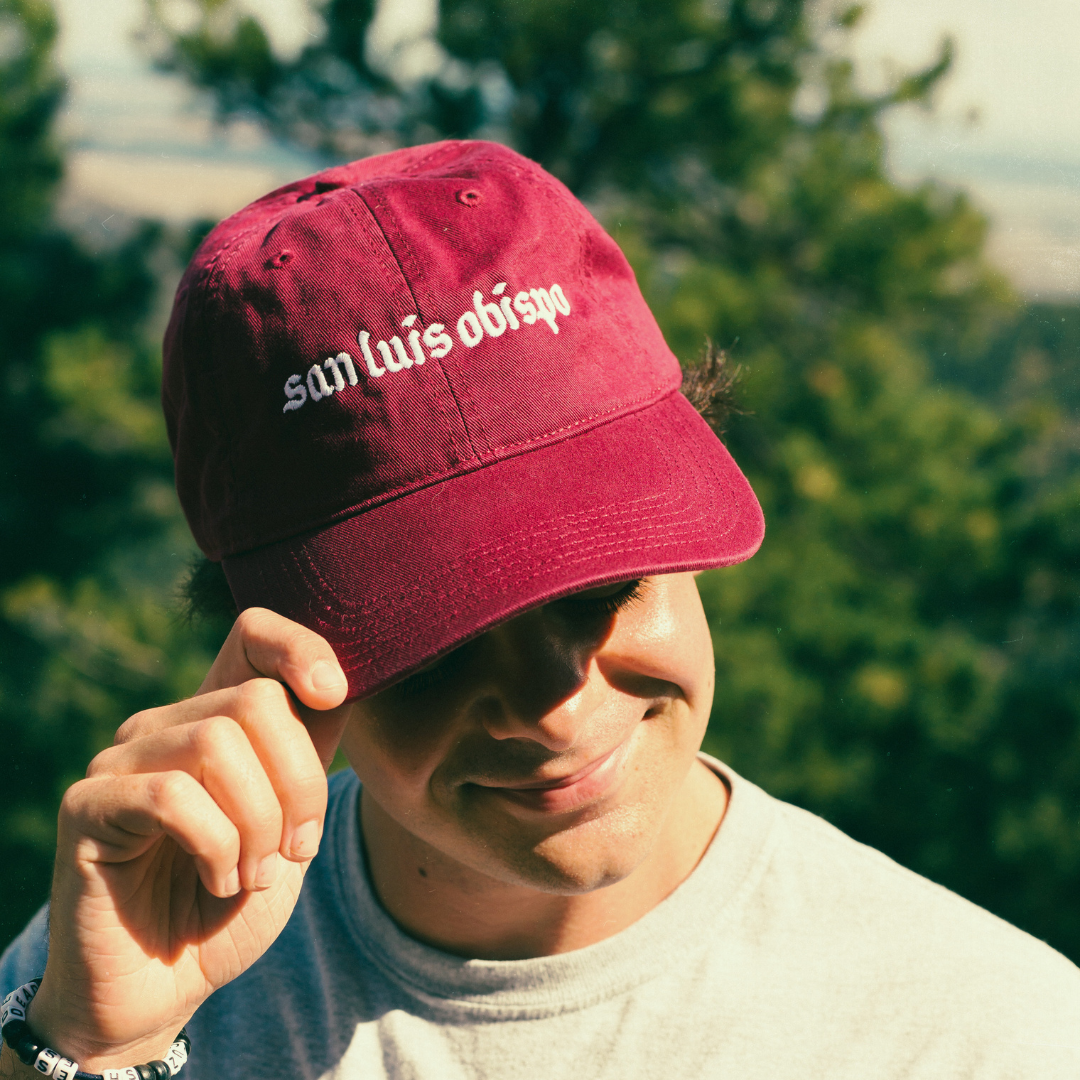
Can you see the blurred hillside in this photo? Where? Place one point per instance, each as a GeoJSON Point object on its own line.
{"type": "Point", "coordinates": [899, 657]}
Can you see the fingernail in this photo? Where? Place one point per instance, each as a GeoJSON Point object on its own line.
{"type": "Point", "coordinates": [305, 840]}
{"type": "Point", "coordinates": [266, 874]}
{"type": "Point", "coordinates": [232, 882]}
{"type": "Point", "coordinates": [325, 676]}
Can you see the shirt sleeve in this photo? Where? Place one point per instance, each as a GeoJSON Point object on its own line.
{"type": "Point", "coordinates": [24, 959]}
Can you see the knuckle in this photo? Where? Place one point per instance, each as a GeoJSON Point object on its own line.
{"type": "Point", "coordinates": [218, 842]}
{"type": "Point", "coordinates": [259, 695]}
{"type": "Point", "coordinates": [165, 788]}
{"type": "Point", "coordinates": [267, 821]}
{"type": "Point", "coordinates": [75, 799]}
{"type": "Point", "coordinates": [134, 726]}
{"type": "Point", "coordinates": [215, 735]}
{"type": "Point", "coordinates": [100, 763]}
{"type": "Point", "coordinates": [309, 789]}
{"type": "Point", "coordinates": [300, 637]}
{"type": "Point", "coordinates": [249, 621]}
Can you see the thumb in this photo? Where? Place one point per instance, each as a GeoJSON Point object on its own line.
{"type": "Point", "coordinates": [325, 727]}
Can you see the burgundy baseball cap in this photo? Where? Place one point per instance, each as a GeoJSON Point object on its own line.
{"type": "Point", "coordinates": [412, 396]}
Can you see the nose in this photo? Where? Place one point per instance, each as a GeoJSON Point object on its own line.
{"type": "Point", "coordinates": [542, 683]}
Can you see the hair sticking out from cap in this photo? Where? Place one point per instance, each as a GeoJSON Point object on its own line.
{"type": "Point", "coordinates": [711, 386]}
{"type": "Point", "coordinates": [204, 593]}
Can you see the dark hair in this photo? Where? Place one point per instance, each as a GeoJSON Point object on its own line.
{"type": "Point", "coordinates": [710, 386]}
{"type": "Point", "coordinates": [204, 593]}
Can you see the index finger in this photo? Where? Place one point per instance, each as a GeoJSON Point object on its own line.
{"type": "Point", "coordinates": [265, 644]}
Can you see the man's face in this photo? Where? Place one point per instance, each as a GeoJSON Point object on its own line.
{"type": "Point", "coordinates": [548, 751]}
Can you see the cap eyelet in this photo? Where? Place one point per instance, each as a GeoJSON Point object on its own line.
{"type": "Point", "coordinates": [469, 197]}
{"type": "Point", "coordinates": [281, 258]}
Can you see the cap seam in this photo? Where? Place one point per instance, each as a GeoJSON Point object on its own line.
{"type": "Point", "coordinates": [568, 555]}
{"type": "Point", "coordinates": [511, 450]}
{"type": "Point", "coordinates": [469, 451]}
{"type": "Point", "coordinates": [358, 663]}
{"type": "Point", "coordinates": [442, 149]}
{"type": "Point", "coordinates": [582, 526]}
{"type": "Point", "coordinates": [215, 272]}
{"type": "Point", "coordinates": [644, 531]}
{"type": "Point", "coordinates": [579, 547]}
{"type": "Point", "coordinates": [458, 388]}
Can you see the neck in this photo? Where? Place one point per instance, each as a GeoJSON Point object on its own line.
{"type": "Point", "coordinates": [467, 913]}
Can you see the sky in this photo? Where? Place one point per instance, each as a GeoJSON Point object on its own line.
{"type": "Point", "coordinates": [1003, 126]}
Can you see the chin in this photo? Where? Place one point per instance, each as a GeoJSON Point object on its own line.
{"type": "Point", "coordinates": [590, 855]}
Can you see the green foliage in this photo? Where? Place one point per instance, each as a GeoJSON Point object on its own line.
{"type": "Point", "coordinates": [900, 654]}
{"type": "Point", "coordinates": [897, 657]}
{"type": "Point", "coordinates": [329, 98]}
{"type": "Point", "coordinates": [92, 539]}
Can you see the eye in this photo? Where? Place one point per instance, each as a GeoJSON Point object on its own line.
{"type": "Point", "coordinates": [427, 677]}
{"type": "Point", "coordinates": [604, 599]}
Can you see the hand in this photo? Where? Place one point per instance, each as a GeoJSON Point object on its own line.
{"type": "Point", "coordinates": [181, 855]}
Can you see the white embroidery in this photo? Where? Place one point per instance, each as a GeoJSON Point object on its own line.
{"type": "Point", "coordinates": [486, 319]}
{"type": "Point", "coordinates": [324, 390]}
{"type": "Point", "coordinates": [526, 308]}
{"type": "Point", "coordinates": [373, 369]}
{"type": "Point", "coordinates": [295, 391]}
{"type": "Point", "coordinates": [511, 318]}
{"type": "Point", "coordinates": [402, 360]}
{"type": "Point", "coordinates": [558, 298]}
{"type": "Point", "coordinates": [437, 340]}
{"type": "Point", "coordinates": [491, 316]}
{"type": "Point", "coordinates": [468, 329]}
{"type": "Point", "coordinates": [346, 361]}
{"type": "Point", "coordinates": [545, 309]}
{"type": "Point", "coordinates": [331, 365]}
{"type": "Point", "coordinates": [414, 344]}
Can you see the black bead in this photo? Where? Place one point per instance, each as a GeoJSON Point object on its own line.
{"type": "Point", "coordinates": [145, 1072]}
{"type": "Point", "coordinates": [13, 1029]}
{"type": "Point", "coordinates": [158, 1070]}
{"type": "Point", "coordinates": [17, 1035]}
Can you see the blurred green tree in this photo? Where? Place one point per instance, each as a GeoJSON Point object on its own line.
{"type": "Point", "coordinates": [899, 656]}
{"type": "Point", "coordinates": [92, 539]}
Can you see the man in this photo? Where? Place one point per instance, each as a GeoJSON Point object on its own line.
{"type": "Point", "coordinates": [425, 422]}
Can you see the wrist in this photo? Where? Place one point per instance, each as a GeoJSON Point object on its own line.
{"type": "Point", "coordinates": [60, 1030]}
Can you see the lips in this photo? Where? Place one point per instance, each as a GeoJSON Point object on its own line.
{"type": "Point", "coordinates": [569, 792]}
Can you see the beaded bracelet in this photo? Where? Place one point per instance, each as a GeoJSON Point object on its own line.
{"type": "Point", "coordinates": [15, 1031]}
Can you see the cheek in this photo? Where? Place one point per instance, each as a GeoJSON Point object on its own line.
{"type": "Point", "coordinates": [667, 638]}
{"type": "Point", "coordinates": [394, 751]}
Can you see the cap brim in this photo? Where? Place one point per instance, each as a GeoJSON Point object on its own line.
{"type": "Point", "coordinates": [397, 586]}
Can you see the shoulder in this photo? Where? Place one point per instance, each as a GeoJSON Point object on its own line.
{"type": "Point", "coordinates": [944, 948]}
{"type": "Point", "coordinates": [841, 870]}
{"type": "Point", "coordinates": [866, 944]}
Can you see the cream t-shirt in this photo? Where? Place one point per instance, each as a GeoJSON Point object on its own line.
{"type": "Point", "coordinates": [791, 952]}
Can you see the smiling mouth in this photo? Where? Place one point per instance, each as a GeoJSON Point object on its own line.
{"type": "Point", "coordinates": [587, 784]}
